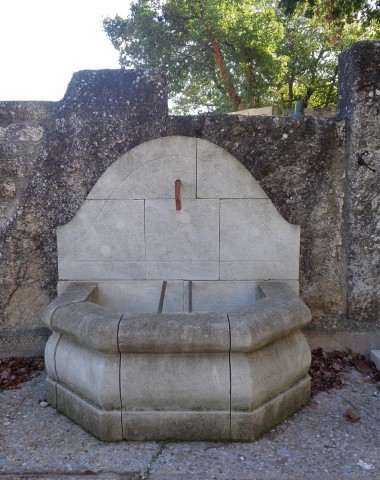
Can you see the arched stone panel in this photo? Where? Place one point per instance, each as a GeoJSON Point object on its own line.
{"type": "Point", "coordinates": [129, 229]}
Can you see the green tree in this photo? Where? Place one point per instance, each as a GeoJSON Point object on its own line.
{"type": "Point", "coordinates": [317, 31]}
{"type": "Point", "coordinates": [337, 10]}
{"type": "Point", "coordinates": [224, 55]}
{"type": "Point", "coordinates": [218, 54]}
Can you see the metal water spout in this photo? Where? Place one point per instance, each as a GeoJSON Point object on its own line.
{"type": "Point", "coordinates": [177, 189]}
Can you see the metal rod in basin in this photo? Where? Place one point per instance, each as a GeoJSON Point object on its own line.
{"type": "Point", "coordinates": [190, 283]}
{"type": "Point", "coordinates": [162, 297]}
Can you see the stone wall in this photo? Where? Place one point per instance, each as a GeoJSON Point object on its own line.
{"type": "Point", "coordinates": [51, 154]}
{"type": "Point", "coordinates": [359, 84]}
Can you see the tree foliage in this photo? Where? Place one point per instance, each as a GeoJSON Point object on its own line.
{"type": "Point", "coordinates": [312, 43]}
{"type": "Point", "coordinates": [337, 10]}
{"type": "Point", "coordinates": [223, 55]}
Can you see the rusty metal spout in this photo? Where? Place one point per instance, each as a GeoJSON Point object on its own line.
{"type": "Point", "coordinates": [177, 189]}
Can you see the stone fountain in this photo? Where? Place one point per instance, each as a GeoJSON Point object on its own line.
{"type": "Point", "coordinates": [178, 315]}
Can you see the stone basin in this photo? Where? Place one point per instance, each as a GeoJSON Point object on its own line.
{"type": "Point", "coordinates": [179, 376]}
{"type": "Point", "coordinates": [178, 315]}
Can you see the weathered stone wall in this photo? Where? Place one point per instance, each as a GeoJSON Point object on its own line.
{"type": "Point", "coordinates": [51, 154]}
{"type": "Point", "coordinates": [359, 104]}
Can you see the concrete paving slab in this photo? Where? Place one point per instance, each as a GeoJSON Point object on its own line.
{"type": "Point", "coordinates": [42, 443]}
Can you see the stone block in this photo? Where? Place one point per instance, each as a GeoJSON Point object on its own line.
{"type": "Point", "coordinates": [256, 243]}
{"type": "Point", "coordinates": [163, 173]}
{"type": "Point", "coordinates": [104, 241]}
{"type": "Point", "coordinates": [220, 296]}
{"type": "Point", "coordinates": [186, 237]}
{"type": "Point", "coordinates": [115, 235]}
{"type": "Point", "coordinates": [359, 103]}
{"type": "Point", "coordinates": [93, 271]}
{"type": "Point", "coordinates": [278, 314]}
{"type": "Point", "coordinates": [174, 333]}
{"type": "Point", "coordinates": [73, 293]}
{"type": "Point", "coordinates": [91, 374]}
{"type": "Point", "coordinates": [164, 160]}
{"type": "Point", "coordinates": [261, 111]}
{"type": "Point", "coordinates": [176, 426]}
{"type": "Point", "coordinates": [181, 382]}
{"type": "Point", "coordinates": [103, 424]}
{"type": "Point", "coordinates": [248, 426]}
{"type": "Point", "coordinates": [88, 324]}
{"type": "Point", "coordinates": [261, 375]}
{"type": "Point", "coordinates": [140, 296]}
{"type": "Point", "coordinates": [180, 270]}
{"type": "Point", "coordinates": [220, 175]}
{"type": "Point", "coordinates": [58, 150]}
{"type": "Point", "coordinates": [304, 176]}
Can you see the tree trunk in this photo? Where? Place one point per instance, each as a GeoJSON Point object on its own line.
{"type": "Point", "coordinates": [309, 93]}
{"type": "Point", "coordinates": [223, 74]}
{"type": "Point", "coordinates": [250, 74]}
{"type": "Point", "coordinates": [290, 92]}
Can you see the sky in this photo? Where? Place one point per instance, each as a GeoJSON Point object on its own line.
{"type": "Point", "coordinates": [43, 42]}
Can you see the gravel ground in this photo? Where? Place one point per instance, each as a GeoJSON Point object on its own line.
{"type": "Point", "coordinates": [337, 436]}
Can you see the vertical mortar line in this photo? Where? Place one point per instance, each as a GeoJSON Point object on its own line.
{"type": "Point", "coordinates": [196, 168]}
{"type": "Point", "coordinates": [144, 240]}
{"type": "Point", "coordinates": [230, 370]}
{"type": "Point", "coordinates": [121, 400]}
{"type": "Point", "coordinates": [55, 369]}
{"type": "Point", "coordinates": [219, 204]}
{"type": "Point", "coordinates": [184, 295]}
{"type": "Point", "coordinates": [55, 356]}
{"type": "Point", "coordinates": [190, 286]}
